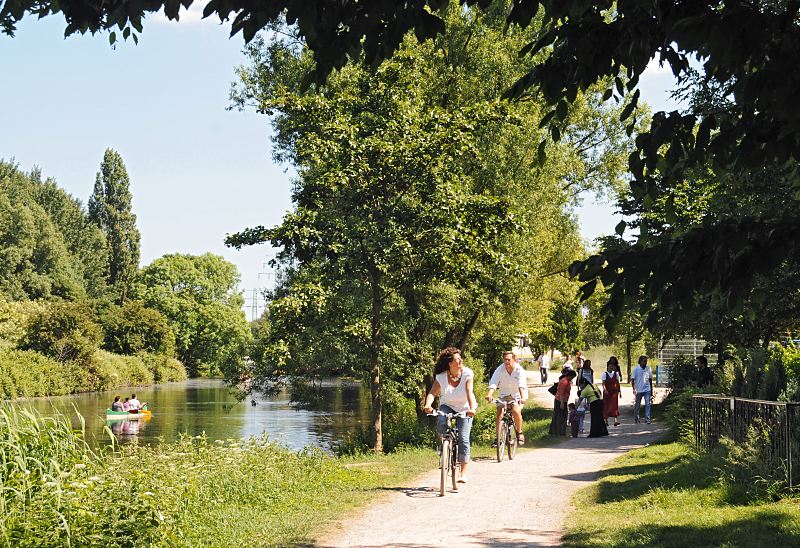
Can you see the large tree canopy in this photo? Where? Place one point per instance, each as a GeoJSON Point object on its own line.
{"type": "Point", "coordinates": [749, 49]}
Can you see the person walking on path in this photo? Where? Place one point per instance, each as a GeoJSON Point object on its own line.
{"type": "Point", "coordinates": [642, 383]}
{"type": "Point", "coordinates": [592, 395]}
{"type": "Point", "coordinates": [453, 384]}
{"type": "Point", "coordinates": [611, 391]}
{"type": "Point", "coordinates": [558, 424]}
{"type": "Point", "coordinates": [512, 382]}
{"type": "Point", "coordinates": [544, 366]}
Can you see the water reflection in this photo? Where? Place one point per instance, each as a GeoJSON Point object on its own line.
{"type": "Point", "coordinates": [200, 405]}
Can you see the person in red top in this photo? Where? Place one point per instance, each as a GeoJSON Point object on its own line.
{"type": "Point", "coordinates": [558, 424]}
{"type": "Point", "coordinates": [611, 390]}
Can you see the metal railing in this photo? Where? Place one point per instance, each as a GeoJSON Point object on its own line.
{"type": "Point", "coordinates": [718, 415]}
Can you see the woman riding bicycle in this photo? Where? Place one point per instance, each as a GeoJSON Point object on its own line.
{"type": "Point", "coordinates": [453, 385]}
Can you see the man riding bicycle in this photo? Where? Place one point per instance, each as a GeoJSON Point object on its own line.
{"type": "Point", "coordinates": [511, 380]}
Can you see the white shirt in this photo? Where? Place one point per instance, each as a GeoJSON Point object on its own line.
{"type": "Point", "coordinates": [134, 403]}
{"type": "Point", "coordinates": [455, 397]}
{"type": "Point", "coordinates": [568, 365]}
{"type": "Point", "coordinates": [509, 383]}
{"type": "Point", "coordinates": [544, 362]}
{"type": "Point", "coordinates": [640, 378]}
{"type": "Point", "coordinates": [609, 375]}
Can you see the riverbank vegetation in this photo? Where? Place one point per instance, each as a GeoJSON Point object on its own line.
{"type": "Point", "coordinates": [78, 314]}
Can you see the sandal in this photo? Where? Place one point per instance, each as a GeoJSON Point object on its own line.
{"type": "Point", "coordinates": [520, 438]}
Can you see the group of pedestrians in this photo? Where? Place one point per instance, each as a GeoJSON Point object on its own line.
{"type": "Point", "coordinates": [601, 405]}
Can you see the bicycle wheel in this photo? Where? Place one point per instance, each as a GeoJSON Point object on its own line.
{"type": "Point", "coordinates": [512, 443]}
{"type": "Point", "coordinates": [502, 432]}
{"type": "Point", "coordinates": [444, 464]}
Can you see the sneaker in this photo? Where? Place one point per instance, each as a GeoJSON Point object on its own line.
{"type": "Point", "coordinates": [636, 420]}
{"type": "Point", "coordinates": [463, 479]}
{"type": "Point", "coordinates": [616, 423]}
{"type": "Point", "coordinates": [647, 421]}
{"type": "Point", "coordinates": [494, 444]}
{"type": "Point", "coordinates": [520, 438]}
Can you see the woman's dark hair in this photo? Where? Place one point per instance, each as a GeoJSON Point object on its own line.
{"type": "Point", "coordinates": [444, 359]}
{"type": "Point", "coordinates": [587, 364]}
{"type": "Point", "coordinates": [116, 398]}
{"type": "Point", "coordinates": [613, 359]}
{"type": "Point", "coordinates": [703, 360]}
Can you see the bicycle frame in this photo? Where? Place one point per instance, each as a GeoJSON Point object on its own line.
{"type": "Point", "coordinates": [507, 430]}
{"type": "Point", "coordinates": [448, 449]}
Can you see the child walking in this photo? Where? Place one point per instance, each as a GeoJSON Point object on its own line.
{"type": "Point", "coordinates": [573, 420]}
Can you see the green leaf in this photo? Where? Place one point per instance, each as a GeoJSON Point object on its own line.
{"type": "Point", "coordinates": [620, 228]}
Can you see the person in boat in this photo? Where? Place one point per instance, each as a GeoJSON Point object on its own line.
{"type": "Point", "coordinates": [136, 405]}
{"type": "Point", "coordinates": [117, 405]}
{"type": "Point", "coordinates": [126, 405]}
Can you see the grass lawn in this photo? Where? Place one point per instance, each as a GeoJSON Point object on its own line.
{"type": "Point", "coordinates": [668, 495]}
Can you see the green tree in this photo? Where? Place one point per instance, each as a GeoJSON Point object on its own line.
{"type": "Point", "coordinates": [199, 297]}
{"type": "Point", "coordinates": [412, 227]}
{"type": "Point", "coordinates": [110, 210]}
{"type": "Point", "coordinates": [34, 259]}
{"type": "Point", "coordinates": [133, 328]}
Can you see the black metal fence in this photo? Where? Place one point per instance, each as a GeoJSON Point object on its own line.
{"type": "Point", "coordinates": [778, 422]}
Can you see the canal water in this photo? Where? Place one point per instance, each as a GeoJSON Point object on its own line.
{"type": "Point", "coordinates": [207, 406]}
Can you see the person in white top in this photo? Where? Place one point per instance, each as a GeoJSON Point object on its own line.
{"type": "Point", "coordinates": [453, 385]}
{"type": "Point", "coordinates": [511, 380]}
{"type": "Point", "coordinates": [642, 383]}
{"type": "Point", "coordinates": [544, 366]}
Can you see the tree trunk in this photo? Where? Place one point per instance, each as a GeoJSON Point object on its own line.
{"type": "Point", "coordinates": [628, 349]}
{"type": "Point", "coordinates": [375, 365]}
{"type": "Point", "coordinates": [462, 343]}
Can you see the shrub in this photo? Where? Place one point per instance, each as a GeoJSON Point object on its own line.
{"type": "Point", "coordinates": [64, 332]}
{"type": "Point", "coordinates": [24, 373]}
{"type": "Point", "coordinates": [118, 371]}
{"type": "Point", "coordinates": [163, 368]}
{"type": "Point", "coordinates": [749, 466]}
{"type": "Point", "coordinates": [134, 328]}
{"type": "Point", "coordinates": [683, 373]}
{"type": "Point", "coordinates": [15, 318]}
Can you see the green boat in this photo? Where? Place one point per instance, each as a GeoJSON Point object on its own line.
{"type": "Point", "coordinates": [125, 415]}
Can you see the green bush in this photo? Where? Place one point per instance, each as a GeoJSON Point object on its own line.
{"type": "Point", "coordinates": [163, 368]}
{"type": "Point", "coordinates": [119, 371]}
{"type": "Point", "coordinates": [679, 413]}
{"type": "Point", "coordinates": [134, 328]}
{"type": "Point", "coordinates": [15, 318]}
{"type": "Point", "coordinates": [683, 373]}
{"type": "Point", "coordinates": [24, 373]}
{"type": "Point", "coordinates": [748, 466]}
{"type": "Point", "coordinates": [63, 331]}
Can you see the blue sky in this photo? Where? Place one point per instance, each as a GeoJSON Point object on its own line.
{"type": "Point", "coordinates": [197, 170]}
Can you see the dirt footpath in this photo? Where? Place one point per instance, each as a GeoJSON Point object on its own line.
{"type": "Point", "coordinates": [523, 502]}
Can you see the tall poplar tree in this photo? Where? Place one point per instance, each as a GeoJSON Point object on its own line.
{"type": "Point", "coordinates": [110, 209]}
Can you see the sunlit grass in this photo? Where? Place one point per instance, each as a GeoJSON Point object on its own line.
{"type": "Point", "coordinates": [668, 495]}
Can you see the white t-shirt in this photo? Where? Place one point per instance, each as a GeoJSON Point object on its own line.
{"type": "Point", "coordinates": [509, 384]}
{"type": "Point", "coordinates": [640, 378]}
{"type": "Point", "coordinates": [134, 403]}
{"type": "Point", "coordinates": [568, 365]}
{"type": "Point", "coordinates": [544, 362]}
{"type": "Point", "coordinates": [455, 397]}
{"type": "Point", "coordinates": [608, 375]}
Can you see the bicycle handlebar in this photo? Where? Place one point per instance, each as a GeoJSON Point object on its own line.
{"type": "Point", "coordinates": [436, 413]}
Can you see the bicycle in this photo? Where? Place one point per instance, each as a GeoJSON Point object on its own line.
{"type": "Point", "coordinates": [506, 431]}
{"type": "Point", "coordinates": [448, 450]}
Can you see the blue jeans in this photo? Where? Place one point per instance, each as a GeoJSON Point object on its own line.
{"type": "Point", "coordinates": [637, 405]}
{"type": "Point", "coordinates": [464, 427]}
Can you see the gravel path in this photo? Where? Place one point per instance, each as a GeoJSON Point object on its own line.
{"type": "Point", "coordinates": [511, 504]}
